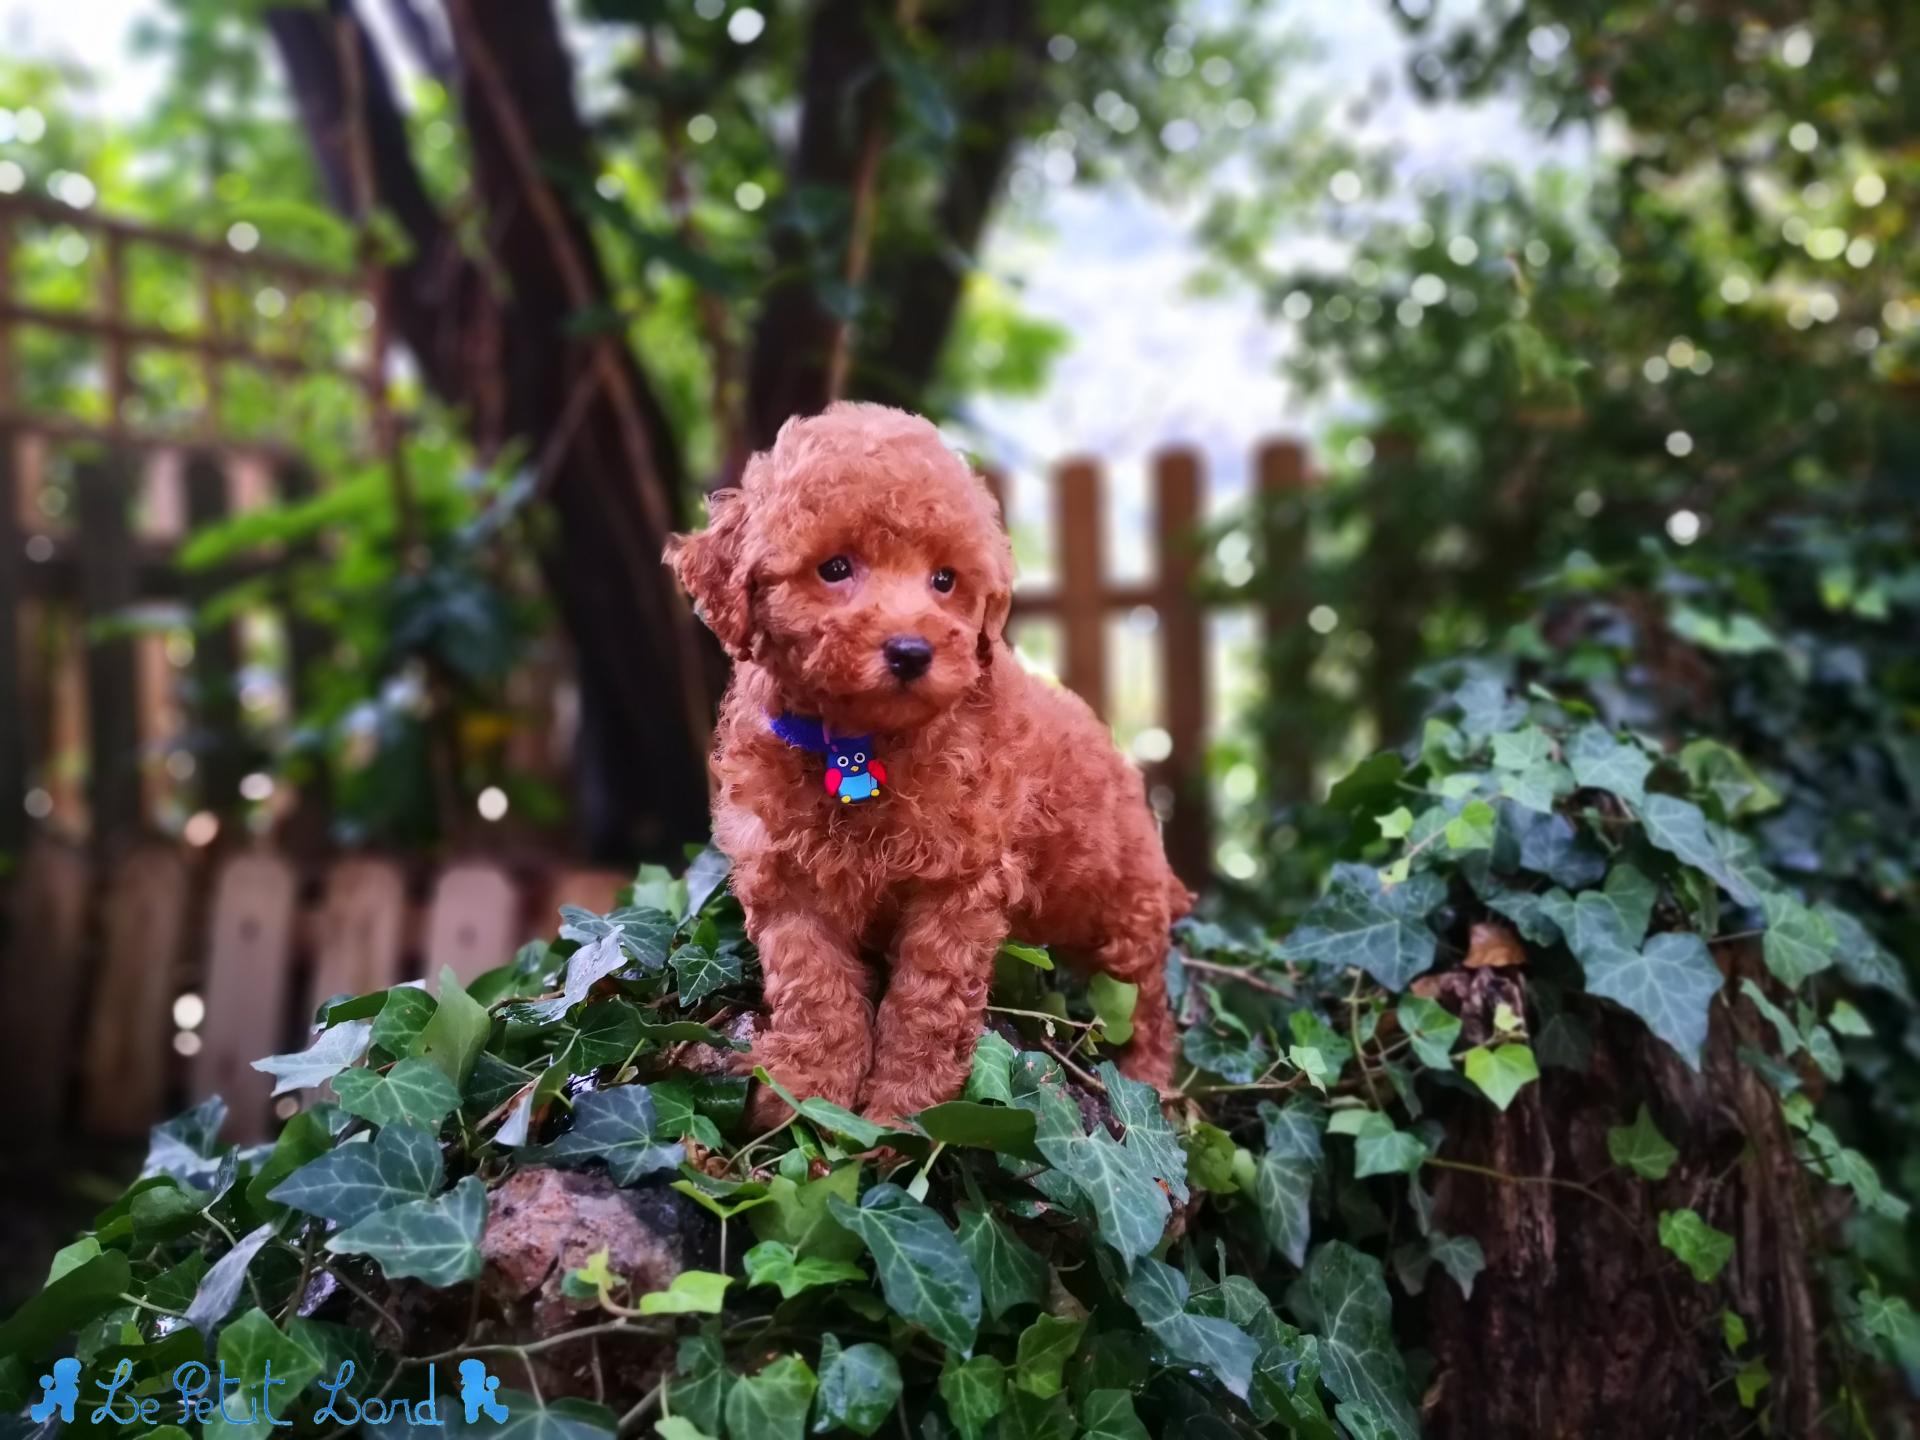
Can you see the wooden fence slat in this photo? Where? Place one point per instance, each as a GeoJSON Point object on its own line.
{"type": "Point", "coordinates": [125, 1079]}
{"type": "Point", "coordinates": [362, 931]}
{"type": "Point", "coordinates": [44, 980]}
{"type": "Point", "coordinates": [13, 620]}
{"type": "Point", "coordinates": [1281, 467]}
{"type": "Point", "coordinates": [1183, 666]}
{"type": "Point", "coordinates": [249, 966]}
{"type": "Point", "coordinates": [215, 724]}
{"type": "Point", "coordinates": [107, 590]}
{"type": "Point", "coordinates": [474, 923]}
{"type": "Point", "coordinates": [1079, 534]}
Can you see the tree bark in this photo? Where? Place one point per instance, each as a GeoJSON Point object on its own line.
{"type": "Point", "coordinates": [995, 48]}
{"type": "Point", "coordinates": [1582, 1324]}
{"type": "Point", "coordinates": [521, 347]}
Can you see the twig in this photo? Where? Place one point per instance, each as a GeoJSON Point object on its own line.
{"type": "Point", "coordinates": [1043, 1015]}
{"type": "Point", "coordinates": [1238, 976]}
{"type": "Point", "coordinates": [535, 1347]}
{"type": "Point", "coordinates": [642, 1407]}
{"type": "Point", "coordinates": [1092, 1082]}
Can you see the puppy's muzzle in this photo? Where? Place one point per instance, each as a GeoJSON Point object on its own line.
{"type": "Point", "coordinates": [907, 656]}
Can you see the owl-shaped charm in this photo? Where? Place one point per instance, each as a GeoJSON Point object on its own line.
{"type": "Point", "coordinates": [853, 774]}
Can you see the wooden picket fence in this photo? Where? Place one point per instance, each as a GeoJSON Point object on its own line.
{"type": "Point", "coordinates": [160, 981]}
{"type": "Point", "coordinates": [109, 918]}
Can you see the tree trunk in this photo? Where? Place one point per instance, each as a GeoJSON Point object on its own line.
{"type": "Point", "coordinates": [504, 344]}
{"type": "Point", "coordinates": [1582, 1324]}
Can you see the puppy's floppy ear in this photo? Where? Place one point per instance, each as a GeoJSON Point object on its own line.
{"type": "Point", "coordinates": [993, 623]}
{"type": "Point", "coordinates": [711, 568]}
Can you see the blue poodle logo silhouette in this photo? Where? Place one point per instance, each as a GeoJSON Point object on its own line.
{"type": "Point", "coordinates": [59, 1392]}
{"type": "Point", "coordinates": [477, 1393]}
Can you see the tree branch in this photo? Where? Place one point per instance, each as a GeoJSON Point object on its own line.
{"type": "Point", "coordinates": [993, 49]}
{"type": "Point", "coordinates": [800, 343]}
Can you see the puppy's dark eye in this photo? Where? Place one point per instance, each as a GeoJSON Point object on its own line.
{"type": "Point", "coordinates": [837, 569]}
{"type": "Point", "coordinates": [943, 580]}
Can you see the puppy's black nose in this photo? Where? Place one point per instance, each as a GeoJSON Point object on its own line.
{"type": "Point", "coordinates": [908, 656]}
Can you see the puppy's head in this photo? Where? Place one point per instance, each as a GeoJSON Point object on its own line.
{"type": "Point", "coordinates": [860, 562]}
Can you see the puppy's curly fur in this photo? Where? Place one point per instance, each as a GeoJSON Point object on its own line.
{"type": "Point", "coordinates": [1006, 809]}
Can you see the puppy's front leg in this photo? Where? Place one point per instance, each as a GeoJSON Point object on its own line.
{"type": "Point", "coordinates": [819, 1035]}
{"type": "Point", "coordinates": [935, 1000]}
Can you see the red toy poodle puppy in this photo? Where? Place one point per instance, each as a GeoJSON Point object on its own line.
{"type": "Point", "coordinates": [891, 782]}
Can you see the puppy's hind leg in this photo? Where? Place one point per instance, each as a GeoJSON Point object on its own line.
{"type": "Point", "coordinates": [1136, 952]}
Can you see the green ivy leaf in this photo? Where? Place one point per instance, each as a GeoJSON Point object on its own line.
{"type": "Point", "coordinates": [1798, 942]}
{"type": "Point", "coordinates": [772, 1263]}
{"type": "Point", "coordinates": [1130, 1207]}
{"type": "Point", "coordinates": [1145, 1131]}
{"type": "Point", "coordinates": [1474, 828]}
{"type": "Point", "coordinates": [1318, 1049]}
{"type": "Point", "coordinates": [1158, 1294]}
{"type": "Point", "coordinates": [1431, 1028]}
{"type": "Point", "coordinates": [1522, 749]}
{"type": "Point", "coordinates": [701, 1382]}
{"type": "Point", "coordinates": [773, 1404]}
{"type": "Point", "coordinates": [1044, 1348]}
{"type": "Point", "coordinates": [1283, 1175]}
{"type": "Point", "coordinates": [534, 1419]}
{"type": "Point", "coordinates": [1027, 954]}
{"type": "Point", "coordinates": [988, 1081]}
{"type": "Point", "coordinates": [402, 1020]}
{"type": "Point", "coordinates": [1537, 788]}
{"type": "Point", "coordinates": [1383, 930]}
{"type": "Point", "coordinates": [413, 1092]}
{"type": "Point", "coordinates": [1033, 1417]}
{"type": "Point", "coordinates": [1725, 773]}
{"type": "Point", "coordinates": [1461, 1257]}
{"type": "Point", "coordinates": [704, 878]}
{"type": "Point", "coordinates": [67, 1302]}
{"type": "Point", "coordinates": [643, 932]}
{"type": "Point", "coordinates": [1600, 762]}
{"type": "Point", "coordinates": [1379, 1148]}
{"type": "Point", "coordinates": [399, 1165]}
{"type": "Point", "coordinates": [1551, 845]}
{"type": "Point", "coordinates": [1343, 1294]}
{"type": "Point", "coordinates": [1011, 1274]}
{"type": "Point", "coordinates": [1669, 983]}
{"type": "Point", "coordinates": [827, 1115]}
{"type": "Point", "coordinates": [923, 1271]}
{"type": "Point", "coordinates": [433, 1241]}
{"type": "Point", "coordinates": [699, 971]}
{"type": "Point", "coordinates": [1892, 1319]}
{"type": "Point", "coordinates": [1701, 1248]}
{"type": "Point", "coordinates": [1113, 1001]}
{"type": "Point", "coordinates": [859, 1386]}
{"type": "Point", "coordinates": [802, 1215]}
{"type": "Point", "coordinates": [1394, 826]}
{"type": "Point", "coordinates": [220, 1287]}
{"type": "Point", "coordinates": [974, 1393]}
{"type": "Point", "coordinates": [1641, 1148]}
{"type": "Point", "coordinates": [1502, 1071]}
{"type": "Point", "coordinates": [247, 1347]}
{"type": "Point", "coordinates": [615, 1125]}
{"type": "Point", "coordinates": [1486, 708]}
{"type": "Point", "coordinates": [457, 1032]}
{"type": "Point", "coordinates": [1678, 827]}
{"type": "Point", "coordinates": [331, 1053]}
{"type": "Point", "coordinates": [1109, 1415]}
{"type": "Point", "coordinates": [304, 1137]}
{"type": "Point", "coordinates": [692, 1292]}
{"type": "Point", "coordinates": [1000, 1128]}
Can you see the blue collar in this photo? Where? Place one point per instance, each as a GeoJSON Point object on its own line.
{"type": "Point", "coordinates": [803, 732]}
